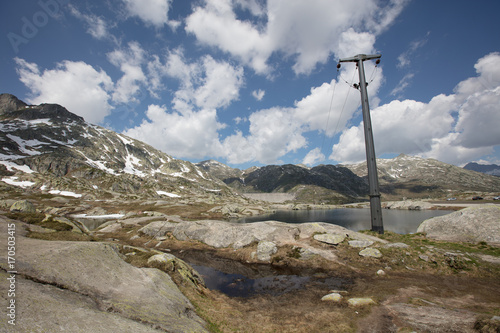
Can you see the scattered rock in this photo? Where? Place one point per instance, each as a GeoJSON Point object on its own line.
{"type": "Point", "coordinates": [360, 243]}
{"type": "Point", "coordinates": [23, 206]}
{"type": "Point", "coordinates": [424, 257]}
{"type": "Point", "coordinates": [434, 318]}
{"type": "Point", "coordinates": [360, 301]}
{"type": "Point", "coordinates": [306, 254]}
{"type": "Point", "coordinates": [397, 245]}
{"type": "Point", "coordinates": [333, 239]}
{"type": "Point", "coordinates": [169, 263]}
{"type": "Point", "coordinates": [370, 252]}
{"type": "Point", "coordinates": [265, 250]}
{"type": "Point", "coordinates": [333, 297]}
{"type": "Point", "coordinates": [380, 272]}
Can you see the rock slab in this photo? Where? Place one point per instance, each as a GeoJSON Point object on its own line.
{"type": "Point", "coordinates": [97, 272]}
{"type": "Point", "coordinates": [473, 224]}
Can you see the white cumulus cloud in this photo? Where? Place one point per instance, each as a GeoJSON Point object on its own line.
{"type": "Point", "coordinates": [188, 135]}
{"type": "Point", "coordinates": [152, 12]}
{"type": "Point", "coordinates": [308, 31]}
{"type": "Point", "coordinates": [77, 86]}
{"type": "Point", "coordinates": [454, 129]}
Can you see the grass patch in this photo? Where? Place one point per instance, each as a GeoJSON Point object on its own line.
{"type": "Point", "coordinates": [63, 236]}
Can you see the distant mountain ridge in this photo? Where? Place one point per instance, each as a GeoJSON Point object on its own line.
{"type": "Point", "coordinates": [324, 183]}
{"type": "Point", "coordinates": [402, 176]}
{"type": "Point", "coordinates": [56, 150]}
{"type": "Point", "coordinates": [412, 174]}
{"type": "Point", "coordinates": [489, 169]}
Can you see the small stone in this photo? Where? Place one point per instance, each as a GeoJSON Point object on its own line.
{"type": "Point", "coordinates": [360, 243]}
{"type": "Point", "coordinates": [333, 297]}
{"type": "Point", "coordinates": [424, 257]}
{"type": "Point", "coordinates": [360, 301]}
{"type": "Point", "coordinates": [370, 252]}
{"type": "Point", "coordinates": [265, 250]}
{"type": "Point", "coordinates": [134, 237]}
{"type": "Point", "coordinates": [332, 239]}
{"type": "Point", "coordinates": [380, 272]}
{"type": "Point", "coordinates": [23, 206]}
{"type": "Point", "coordinates": [397, 245]}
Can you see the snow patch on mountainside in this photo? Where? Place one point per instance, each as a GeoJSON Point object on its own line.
{"type": "Point", "coordinates": [13, 181]}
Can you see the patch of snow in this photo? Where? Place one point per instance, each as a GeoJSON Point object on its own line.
{"type": "Point", "coordinates": [184, 168]}
{"type": "Point", "coordinates": [95, 187]}
{"type": "Point", "coordinates": [200, 173]}
{"type": "Point", "coordinates": [40, 121]}
{"type": "Point", "coordinates": [98, 165]}
{"type": "Point", "coordinates": [171, 195]}
{"type": "Point", "coordinates": [10, 166]}
{"type": "Point", "coordinates": [23, 143]}
{"type": "Point", "coordinates": [107, 216]}
{"type": "Point", "coordinates": [62, 143]}
{"type": "Point", "coordinates": [124, 139]}
{"type": "Point", "coordinates": [13, 181]}
{"type": "Point", "coordinates": [4, 157]}
{"type": "Point", "coordinates": [130, 162]}
{"type": "Point", "coordinates": [43, 188]}
{"type": "Point", "coordinates": [65, 193]}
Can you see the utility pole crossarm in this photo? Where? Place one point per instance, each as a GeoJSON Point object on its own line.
{"type": "Point", "coordinates": [361, 57]}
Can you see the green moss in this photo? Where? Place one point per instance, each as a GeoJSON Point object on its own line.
{"type": "Point", "coordinates": [30, 218]}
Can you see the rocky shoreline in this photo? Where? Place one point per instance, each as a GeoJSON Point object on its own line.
{"type": "Point", "coordinates": [121, 277]}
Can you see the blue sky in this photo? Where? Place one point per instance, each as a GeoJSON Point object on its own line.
{"type": "Point", "coordinates": [254, 82]}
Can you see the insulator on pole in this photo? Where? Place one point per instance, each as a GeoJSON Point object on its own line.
{"type": "Point", "coordinates": [338, 65]}
{"type": "Point", "coordinates": [377, 62]}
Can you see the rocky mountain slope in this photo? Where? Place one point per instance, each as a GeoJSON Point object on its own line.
{"type": "Point", "coordinates": [47, 148]}
{"type": "Point", "coordinates": [402, 176]}
{"type": "Point", "coordinates": [489, 169]}
{"type": "Point", "coordinates": [411, 175]}
{"type": "Point", "coordinates": [324, 183]}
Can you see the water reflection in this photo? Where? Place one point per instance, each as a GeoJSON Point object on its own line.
{"type": "Point", "coordinates": [399, 221]}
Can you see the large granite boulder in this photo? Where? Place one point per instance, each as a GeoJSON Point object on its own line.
{"type": "Point", "coordinates": [97, 274]}
{"type": "Point", "coordinates": [474, 224]}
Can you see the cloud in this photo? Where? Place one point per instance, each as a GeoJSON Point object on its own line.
{"type": "Point", "coordinates": [272, 134]}
{"type": "Point", "coordinates": [404, 58]}
{"type": "Point", "coordinates": [206, 83]}
{"type": "Point", "coordinates": [188, 135]}
{"type": "Point", "coordinates": [75, 85]}
{"type": "Point", "coordinates": [130, 63]}
{"type": "Point", "coordinates": [403, 84]}
{"type": "Point", "coordinates": [190, 129]}
{"type": "Point", "coordinates": [96, 26]}
{"type": "Point", "coordinates": [151, 12]}
{"type": "Point", "coordinates": [258, 94]}
{"type": "Point", "coordinates": [277, 131]}
{"type": "Point", "coordinates": [313, 157]}
{"type": "Point", "coordinates": [454, 129]}
{"type": "Point", "coordinates": [308, 32]}
{"type": "Point", "coordinates": [216, 25]}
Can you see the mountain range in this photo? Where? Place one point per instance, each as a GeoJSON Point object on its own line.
{"type": "Point", "coordinates": [489, 169]}
{"type": "Point", "coordinates": [45, 148]}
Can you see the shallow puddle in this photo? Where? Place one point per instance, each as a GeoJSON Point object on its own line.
{"type": "Point", "coordinates": [236, 279]}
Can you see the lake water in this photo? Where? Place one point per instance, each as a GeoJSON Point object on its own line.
{"type": "Point", "coordinates": [356, 219]}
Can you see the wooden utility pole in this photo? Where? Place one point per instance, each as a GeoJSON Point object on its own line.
{"type": "Point", "coordinates": [371, 161]}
